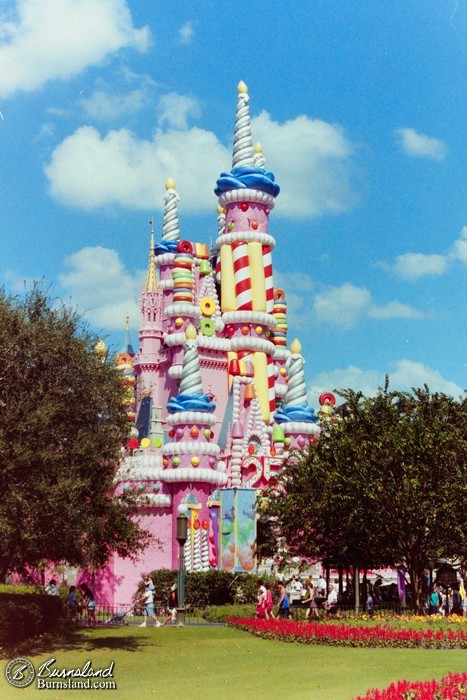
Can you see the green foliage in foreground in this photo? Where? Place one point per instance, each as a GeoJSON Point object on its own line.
{"type": "Point", "coordinates": [61, 430]}
{"type": "Point", "coordinates": [225, 664]}
{"type": "Point", "coordinates": [26, 615]}
{"type": "Point", "coordinates": [206, 588]}
{"type": "Point", "coordinates": [386, 483]}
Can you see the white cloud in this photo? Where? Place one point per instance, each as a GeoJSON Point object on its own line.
{"type": "Point", "coordinates": [394, 309]}
{"type": "Point", "coordinates": [403, 375]}
{"type": "Point", "coordinates": [350, 377]}
{"type": "Point", "coordinates": [101, 288]}
{"type": "Point", "coordinates": [407, 374]}
{"type": "Point", "coordinates": [50, 39]}
{"type": "Point", "coordinates": [342, 306]}
{"type": "Point", "coordinates": [103, 105]}
{"type": "Point", "coordinates": [313, 159]}
{"type": "Point", "coordinates": [175, 110]}
{"type": "Point", "coordinates": [412, 266]}
{"type": "Point", "coordinates": [90, 171]}
{"type": "Point", "coordinates": [420, 145]}
{"type": "Point", "coordinates": [459, 249]}
{"type": "Point", "coordinates": [186, 33]}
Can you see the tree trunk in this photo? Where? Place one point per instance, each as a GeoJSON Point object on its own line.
{"type": "Point", "coordinates": [417, 590]}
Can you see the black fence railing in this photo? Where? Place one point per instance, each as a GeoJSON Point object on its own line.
{"type": "Point", "coordinates": [123, 615]}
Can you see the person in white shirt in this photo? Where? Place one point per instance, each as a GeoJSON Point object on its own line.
{"type": "Point", "coordinates": [52, 588]}
{"type": "Point", "coordinates": [148, 599]}
{"type": "Point", "coordinates": [331, 603]}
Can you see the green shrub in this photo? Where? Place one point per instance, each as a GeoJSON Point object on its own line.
{"type": "Point", "coordinates": [205, 588]}
{"type": "Point", "coordinates": [219, 613]}
{"type": "Point", "coordinates": [26, 615]}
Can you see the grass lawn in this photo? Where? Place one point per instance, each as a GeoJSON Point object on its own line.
{"type": "Point", "coordinates": [217, 663]}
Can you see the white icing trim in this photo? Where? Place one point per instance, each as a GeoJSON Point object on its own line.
{"type": "Point", "coordinates": [250, 317]}
{"type": "Point", "coordinates": [191, 447]}
{"type": "Point", "coordinates": [280, 390]}
{"type": "Point", "coordinates": [183, 308]}
{"type": "Point", "coordinates": [191, 417]}
{"type": "Point", "coordinates": [191, 474]}
{"type": "Point", "coordinates": [281, 353]}
{"type": "Point", "coordinates": [248, 342]}
{"type": "Point", "coordinates": [246, 195]}
{"type": "Point", "coordinates": [307, 428]}
{"type": "Point", "coordinates": [247, 236]}
{"type": "Point", "coordinates": [164, 259]}
{"type": "Point", "coordinates": [157, 500]}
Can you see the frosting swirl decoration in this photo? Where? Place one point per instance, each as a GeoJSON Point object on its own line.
{"type": "Point", "coordinates": [296, 386]}
{"type": "Point", "coordinates": [191, 375]}
{"type": "Point", "coordinates": [191, 402]}
{"type": "Point", "coordinates": [166, 247]}
{"type": "Point", "coordinates": [242, 147]}
{"type": "Point", "coordinates": [295, 414]}
{"type": "Point", "coordinates": [170, 229]}
{"type": "Point", "coordinates": [247, 177]}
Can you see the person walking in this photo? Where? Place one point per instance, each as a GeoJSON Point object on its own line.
{"type": "Point", "coordinates": [148, 599]}
{"type": "Point", "coordinates": [172, 605]}
{"type": "Point", "coordinates": [284, 604]}
{"type": "Point", "coordinates": [312, 609]}
{"type": "Point", "coordinates": [89, 604]}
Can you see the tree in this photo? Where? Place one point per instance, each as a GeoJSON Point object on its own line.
{"type": "Point", "coordinates": [62, 428]}
{"type": "Point", "coordinates": [386, 483]}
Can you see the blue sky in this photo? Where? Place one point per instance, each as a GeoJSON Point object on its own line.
{"type": "Point", "coordinates": [361, 111]}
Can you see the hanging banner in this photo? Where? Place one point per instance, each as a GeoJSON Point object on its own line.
{"type": "Point", "coordinates": [238, 530]}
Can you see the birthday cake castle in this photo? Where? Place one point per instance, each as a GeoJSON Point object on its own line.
{"type": "Point", "coordinates": [216, 398]}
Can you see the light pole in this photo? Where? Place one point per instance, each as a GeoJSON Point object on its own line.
{"type": "Point", "coordinates": [182, 533]}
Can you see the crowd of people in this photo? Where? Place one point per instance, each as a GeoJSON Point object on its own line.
{"type": "Point", "coordinates": [79, 602]}
{"type": "Point", "coordinates": [305, 593]}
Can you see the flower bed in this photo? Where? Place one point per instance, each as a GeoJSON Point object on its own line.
{"type": "Point", "coordinates": [342, 634]}
{"type": "Point", "coordinates": [452, 687]}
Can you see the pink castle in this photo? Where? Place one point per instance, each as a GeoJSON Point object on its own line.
{"type": "Point", "coordinates": [216, 397]}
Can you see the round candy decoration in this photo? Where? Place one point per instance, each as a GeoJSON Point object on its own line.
{"type": "Point", "coordinates": [205, 524]}
{"type": "Point", "coordinates": [195, 461]}
{"type": "Point", "coordinates": [145, 443]}
{"type": "Point", "coordinates": [327, 398]}
{"type": "Point", "coordinates": [208, 327]}
{"type": "Point", "coordinates": [185, 247]}
{"type": "Point", "coordinates": [207, 306]}
{"type": "Point", "coordinates": [196, 524]}
{"type": "Point", "coordinates": [279, 294]}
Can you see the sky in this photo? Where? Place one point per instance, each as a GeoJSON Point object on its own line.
{"type": "Point", "coordinates": [360, 107]}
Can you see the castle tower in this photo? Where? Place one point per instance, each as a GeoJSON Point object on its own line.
{"type": "Point", "coordinates": [191, 462]}
{"type": "Point", "coordinates": [247, 194]}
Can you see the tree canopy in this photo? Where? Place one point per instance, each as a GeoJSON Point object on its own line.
{"type": "Point", "coordinates": [61, 431]}
{"type": "Point", "coordinates": [385, 484]}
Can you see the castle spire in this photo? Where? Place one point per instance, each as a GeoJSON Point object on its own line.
{"type": "Point", "coordinates": [127, 346]}
{"type": "Point", "coordinates": [171, 229]}
{"type": "Point", "coordinates": [151, 279]}
{"type": "Point", "coordinates": [243, 145]}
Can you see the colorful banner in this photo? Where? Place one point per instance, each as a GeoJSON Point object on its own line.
{"type": "Point", "coordinates": [238, 530]}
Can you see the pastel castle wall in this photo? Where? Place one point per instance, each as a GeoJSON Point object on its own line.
{"type": "Point", "coordinates": [215, 397]}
